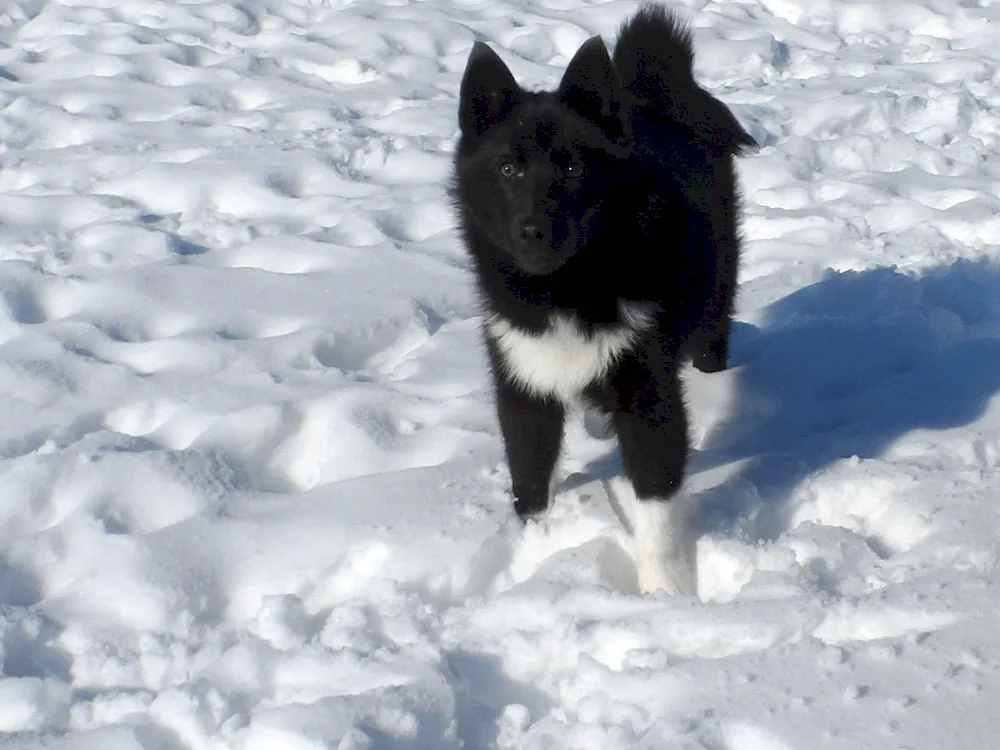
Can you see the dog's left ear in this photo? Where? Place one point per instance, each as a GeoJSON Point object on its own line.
{"type": "Point", "coordinates": [591, 88]}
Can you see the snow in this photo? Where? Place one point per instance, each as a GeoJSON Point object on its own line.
{"type": "Point", "coordinates": [252, 487]}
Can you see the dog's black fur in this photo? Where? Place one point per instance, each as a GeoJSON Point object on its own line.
{"type": "Point", "coordinates": [610, 205]}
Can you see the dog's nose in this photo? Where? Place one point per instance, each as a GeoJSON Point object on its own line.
{"type": "Point", "coordinates": [532, 230]}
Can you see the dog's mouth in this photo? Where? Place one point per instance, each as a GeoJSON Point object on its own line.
{"type": "Point", "coordinates": [537, 263]}
{"type": "Point", "coordinates": [543, 256]}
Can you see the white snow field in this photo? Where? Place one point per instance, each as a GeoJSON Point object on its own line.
{"type": "Point", "coordinates": [252, 493]}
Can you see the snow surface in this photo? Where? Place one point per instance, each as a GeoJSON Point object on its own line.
{"type": "Point", "coordinates": [251, 487]}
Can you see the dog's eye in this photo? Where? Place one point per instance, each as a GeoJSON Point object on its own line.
{"type": "Point", "coordinates": [508, 170]}
{"type": "Point", "coordinates": [573, 170]}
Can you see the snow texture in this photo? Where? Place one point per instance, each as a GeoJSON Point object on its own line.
{"type": "Point", "coordinates": [252, 493]}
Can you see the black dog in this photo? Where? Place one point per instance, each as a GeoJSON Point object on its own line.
{"type": "Point", "coordinates": [601, 219]}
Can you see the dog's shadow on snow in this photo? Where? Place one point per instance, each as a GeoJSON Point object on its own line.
{"type": "Point", "coordinates": [844, 368]}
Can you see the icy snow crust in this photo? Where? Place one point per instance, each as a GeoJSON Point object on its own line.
{"type": "Point", "coordinates": [251, 488]}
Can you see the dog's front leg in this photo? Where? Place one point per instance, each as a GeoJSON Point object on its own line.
{"type": "Point", "coordinates": [532, 430]}
{"type": "Point", "coordinates": [652, 430]}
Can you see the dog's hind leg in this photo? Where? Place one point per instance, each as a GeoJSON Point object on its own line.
{"type": "Point", "coordinates": [718, 235]}
{"type": "Point", "coordinates": [598, 424]}
{"type": "Point", "coordinates": [652, 430]}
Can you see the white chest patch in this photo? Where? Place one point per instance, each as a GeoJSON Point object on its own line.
{"type": "Point", "coordinates": [563, 360]}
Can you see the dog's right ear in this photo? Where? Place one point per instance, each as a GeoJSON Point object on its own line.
{"type": "Point", "coordinates": [488, 92]}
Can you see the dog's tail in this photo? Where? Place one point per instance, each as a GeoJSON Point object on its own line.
{"type": "Point", "coordinates": [654, 58]}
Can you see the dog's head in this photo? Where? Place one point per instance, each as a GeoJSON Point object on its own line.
{"type": "Point", "coordinates": [535, 169]}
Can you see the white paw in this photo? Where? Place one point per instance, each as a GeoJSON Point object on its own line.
{"type": "Point", "coordinates": [671, 576]}
{"type": "Point", "coordinates": [598, 424]}
{"type": "Point", "coordinates": [665, 550]}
